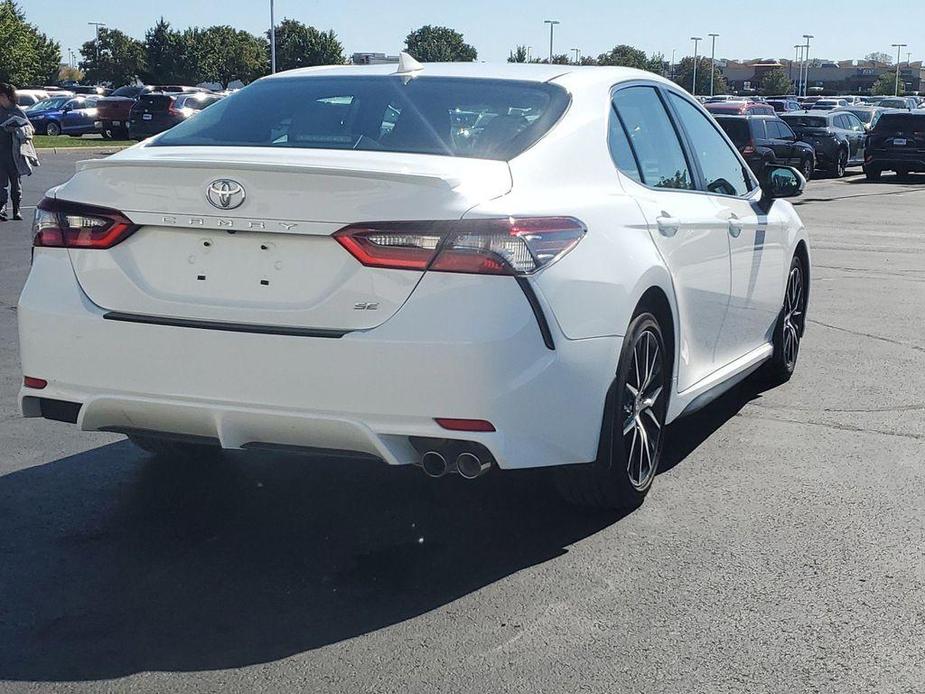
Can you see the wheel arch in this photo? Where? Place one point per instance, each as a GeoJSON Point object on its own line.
{"type": "Point", "coordinates": [656, 296]}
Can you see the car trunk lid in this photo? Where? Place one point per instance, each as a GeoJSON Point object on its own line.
{"type": "Point", "coordinates": [263, 255]}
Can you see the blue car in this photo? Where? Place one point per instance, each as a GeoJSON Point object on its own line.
{"type": "Point", "coordinates": [67, 115]}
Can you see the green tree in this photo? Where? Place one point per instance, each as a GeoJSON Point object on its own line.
{"type": "Point", "coordinates": [886, 85]}
{"type": "Point", "coordinates": [878, 57]}
{"type": "Point", "coordinates": [685, 74]}
{"type": "Point", "coordinates": [776, 82]}
{"type": "Point", "coordinates": [166, 55]}
{"type": "Point", "coordinates": [624, 56]}
{"type": "Point", "coordinates": [299, 45]}
{"type": "Point", "coordinates": [433, 44]}
{"type": "Point", "coordinates": [629, 56]}
{"type": "Point", "coordinates": [518, 55]}
{"type": "Point", "coordinates": [115, 59]}
{"type": "Point", "coordinates": [27, 56]}
{"type": "Point", "coordinates": [224, 54]}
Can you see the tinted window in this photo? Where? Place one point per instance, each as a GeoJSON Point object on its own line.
{"type": "Point", "coordinates": [805, 121]}
{"type": "Point", "coordinates": [130, 92]}
{"type": "Point", "coordinates": [381, 113]}
{"type": "Point", "coordinates": [737, 129]}
{"type": "Point", "coordinates": [620, 149]}
{"type": "Point", "coordinates": [852, 122]}
{"type": "Point", "coordinates": [759, 130]}
{"type": "Point", "coordinates": [900, 123]}
{"type": "Point", "coordinates": [653, 138]}
{"type": "Point", "coordinates": [723, 171]}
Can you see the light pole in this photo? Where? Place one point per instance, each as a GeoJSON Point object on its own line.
{"type": "Point", "coordinates": [671, 67]}
{"type": "Point", "coordinates": [552, 23]}
{"type": "Point", "coordinates": [696, 40]}
{"type": "Point", "coordinates": [712, 61]}
{"type": "Point", "coordinates": [808, 37]}
{"type": "Point", "coordinates": [272, 39]}
{"type": "Point", "coordinates": [577, 52]}
{"type": "Point", "coordinates": [798, 52]}
{"type": "Point", "coordinates": [96, 43]}
{"type": "Point", "coordinates": [898, 47]}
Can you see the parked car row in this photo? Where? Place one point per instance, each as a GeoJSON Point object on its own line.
{"type": "Point", "coordinates": [130, 112]}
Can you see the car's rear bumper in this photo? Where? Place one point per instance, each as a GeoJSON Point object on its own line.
{"type": "Point", "coordinates": [462, 347]}
{"type": "Point", "coordinates": [913, 161]}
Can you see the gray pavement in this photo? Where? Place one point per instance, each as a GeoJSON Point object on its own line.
{"type": "Point", "coordinates": [780, 550]}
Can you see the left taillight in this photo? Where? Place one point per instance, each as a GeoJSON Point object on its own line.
{"type": "Point", "coordinates": [65, 224]}
{"type": "Point", "coordinates": [505, 246]}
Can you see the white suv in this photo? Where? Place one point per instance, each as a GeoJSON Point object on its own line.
{"type": "Point", "coordinates": [459, 266]}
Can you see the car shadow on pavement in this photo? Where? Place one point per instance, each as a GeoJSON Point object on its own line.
{"type": "Point", "coordinates": [113, 563]}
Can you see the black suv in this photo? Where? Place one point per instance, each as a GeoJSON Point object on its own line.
{"type": "Point", "coordinates": [838, 137]}
{"type": "Point", "coordinates": [897, 143]}
{"type": "Point", "coordinates": [764, 140]}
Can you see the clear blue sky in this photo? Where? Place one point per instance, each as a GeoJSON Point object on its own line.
{"type": "Point", "coordinates": [846, 29]}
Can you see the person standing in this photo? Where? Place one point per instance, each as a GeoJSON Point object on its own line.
{"type": "Point", "coordinates": [9, 151]}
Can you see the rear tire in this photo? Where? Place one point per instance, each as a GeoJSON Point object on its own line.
{"type": "Point", "coordinates": [791, 323]}
{"type": "Point", "coordinates": [632, 431]}
{"type": "Point", "coordinates": [167, 449]}
{"type": "Point", "coordinates": [872, 174]}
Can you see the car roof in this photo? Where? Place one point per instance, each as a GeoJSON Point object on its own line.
{"type": "Point", "coordinates": [530, 72]}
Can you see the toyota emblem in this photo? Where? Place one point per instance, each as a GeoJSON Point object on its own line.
{"type": "Point", "coordinates": [225, 194]}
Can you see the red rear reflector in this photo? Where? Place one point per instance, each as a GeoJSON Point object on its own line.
{"type": "Point", "coordinates": [31, 382]}
{"type": "Point", "coordinates": [500, 246]}
{"type": "Point", "coordinates": [465, 424]}
{"type": "Point", "coordinates": [64, 224]}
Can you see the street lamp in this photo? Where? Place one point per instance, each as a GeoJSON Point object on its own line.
{"type": "Point", "coordinates": [577, 52]}
{"type": "Point", "coordinates": [696, 40]}
{"type": "Point", "coordinates": [552, 23]}
{"type": "Point", "coordinates": [806, 81]}
{"type": "Point", "coordinates": [96, 43]}
{"type": "Point", "coordinates": [898, 47]}
{"type": "Point", "coordinates": [272, 40]}
{"type": "Point", "coordinates": [671, 67]}
{"type": "Point", "coordinates": [712, 61]}
{"type": "Point", "coordinates": [798, 55]}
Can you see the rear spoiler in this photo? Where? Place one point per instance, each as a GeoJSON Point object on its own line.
{"type": "Point", "coordinates": [433, 179]}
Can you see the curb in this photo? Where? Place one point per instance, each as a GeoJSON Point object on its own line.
{"type": "Point", "coordinates": [88, 150]}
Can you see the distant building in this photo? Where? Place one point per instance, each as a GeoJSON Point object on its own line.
{"type": "Point", "coordinates": [372, 58]}
{"type": "Point", "coordinates": [825, 76]}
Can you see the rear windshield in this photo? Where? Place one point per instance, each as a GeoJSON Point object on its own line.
{"type": "Point", "coordinates": [737, 129]}
{"type": "Point", "coordinates": [480, 118]}
{"type": "Point", "coordinates": [131, 92]}
{"type": "Point", "coordinates": [805, 121]}
{"type": "Point", "coordinates": [900, 122]}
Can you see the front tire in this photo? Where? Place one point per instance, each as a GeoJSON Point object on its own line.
{"type": "Point", "coordinates": [632, 431]}
{"type": "Point", "coordinates": [841, 165]}
{"type": "Point", "coordinates": [174, 450]}
{"type": "Point", "coordinates": [807, 167]}
{"type": "Point", "coordinates": [791, 323]}
{"type": "Point", "coordinates": [53, 129]}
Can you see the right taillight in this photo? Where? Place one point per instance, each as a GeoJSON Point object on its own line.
{"type": "Point", "coordinates": [748, 149]}
{"type": "Point", "coordinates": [64, 224]}
{"type": "Point", "coordinates": [504, 246]}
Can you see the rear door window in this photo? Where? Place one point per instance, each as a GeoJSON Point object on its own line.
{"type": "Point", "coordinates": [759, 129]}
{"type": "Point", "coordinates": [653, 138]}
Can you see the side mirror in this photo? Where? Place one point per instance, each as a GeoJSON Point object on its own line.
{"type": "Point", "coordinates": [65, 109]}
{"type": "Point", "coordinates": [781, 182]}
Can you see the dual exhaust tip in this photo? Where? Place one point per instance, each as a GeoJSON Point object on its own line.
{"type": "Point", "coordinates": [468, 463]}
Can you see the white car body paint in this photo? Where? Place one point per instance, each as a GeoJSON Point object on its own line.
{"type": "Point", "coordinates": [436, 344]}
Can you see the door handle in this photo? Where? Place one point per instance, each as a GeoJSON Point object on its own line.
{"type": "Point", "coordinates": [667, 225]}
{"type": "Point", "coordinates": [735, 227]}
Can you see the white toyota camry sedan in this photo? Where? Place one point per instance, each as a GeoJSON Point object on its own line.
{"type": "Point", "coordinates": [457, 266]}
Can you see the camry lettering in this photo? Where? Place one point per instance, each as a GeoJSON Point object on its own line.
{"type": "Point", "coordinates": [224, 222]}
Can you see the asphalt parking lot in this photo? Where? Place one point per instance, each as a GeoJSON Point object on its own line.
{"type": "Point", "coordinates": [781, 548]}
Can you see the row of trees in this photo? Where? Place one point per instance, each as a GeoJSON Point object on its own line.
{"type": "Point", "coordinates": [27, 56]}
